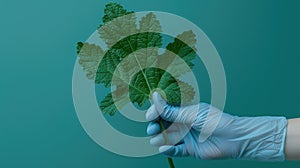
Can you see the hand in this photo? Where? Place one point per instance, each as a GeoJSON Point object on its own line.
{"type": "Point", "coordinates": [204, 132]}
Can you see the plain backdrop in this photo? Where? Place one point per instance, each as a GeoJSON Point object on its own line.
{"type": "Point", "coordinates": [258, 41]}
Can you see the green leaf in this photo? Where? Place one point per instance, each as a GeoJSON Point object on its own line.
{"type": "Point", "coordinates": [122, 49]}
{"type": "Point", "coordinates": [149, 23]}
{"type": "Point", "coordinates": [176, 91]}
{"type": "Point", "coordinates": [89, 58]}
{"type": "Point", "coordinates": [145, 80]}
{"type": "Point", "coordinates": [111, 101]}
{"type": "Point", "coordinates": [107, 105]}
{"type": "Point", "coordinates": [129, 64]}
{"type": "Point", "coordinates": [118, 24]}
{"type": "Point", "coordinates": [182, 47]}
{"type": "Point", "coordinates": [79, 46]}
{"type": "Point", "coordinates": [112, 11]}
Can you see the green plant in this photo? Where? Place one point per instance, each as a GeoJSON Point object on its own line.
{"type": "Point", "coordinates": [133, 64]}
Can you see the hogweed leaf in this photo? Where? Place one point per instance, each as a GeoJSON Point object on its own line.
{"type": "Point", "coordinates": [130, 60]}
{"type": "Point", "coordinates": [183, 47]}
{"type": "Point", "coordinates": [176, 91]}
{"type": "Point", "coordinates": [89, 58]}
{"type": "Point", "coordinates": [149, 23]}
{"type": "Point", "coordinates": [119, 23]}
{"type": "Point", "coordinates": [111, 101]}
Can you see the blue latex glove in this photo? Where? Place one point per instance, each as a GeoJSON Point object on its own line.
{"type": "Point", "coordinates": [249, 138]}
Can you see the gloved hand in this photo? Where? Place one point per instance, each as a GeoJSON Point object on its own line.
{"type": "Point", "coordinates": [225, 136]}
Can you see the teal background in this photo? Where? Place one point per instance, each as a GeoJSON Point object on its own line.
{"type": "Point", "coordinates": [258, 41]}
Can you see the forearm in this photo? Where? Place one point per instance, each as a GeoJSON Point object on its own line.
{"type": "Point", "coordinates": [292, 142]}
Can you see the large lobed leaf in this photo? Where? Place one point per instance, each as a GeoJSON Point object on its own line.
{"type": "Point", "coordinates": [129, 63]}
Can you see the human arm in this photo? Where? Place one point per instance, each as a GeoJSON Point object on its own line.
{"type": "Point", "coordinates": [292, 142]}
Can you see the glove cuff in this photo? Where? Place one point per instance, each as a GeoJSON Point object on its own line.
{"type": "Point", "coordinates": [268, 143]}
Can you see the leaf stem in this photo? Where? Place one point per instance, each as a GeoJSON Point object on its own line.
{"type": "Point", "coordinates": [170, 160]}
{"type": "Point", "coordinates": [171, 163]}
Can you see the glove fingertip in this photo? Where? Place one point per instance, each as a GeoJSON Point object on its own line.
{"type": "Point", "coordinates": [166, 149]}
{"type": "Point", "coordinates": [151, 114]}
{"type": "Point", "coordinates": [174, 151]}
{"type": "Point", "coordinates": [159, 102]}
{"type": "Point", "coordinates": [153, 128]}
